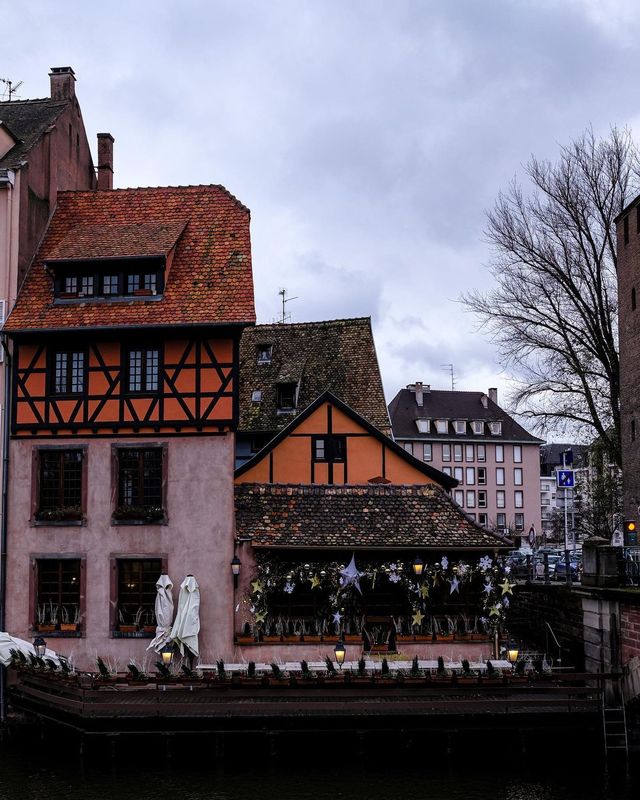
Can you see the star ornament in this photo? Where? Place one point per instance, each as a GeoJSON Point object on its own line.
{"type": "Point", "coordinates": [337, 618]}
{"type": "Point", "coordinates": [417, 618]}
{"type": "Point", "coordinates": [261, 616]}
{"type": "Point", "coordinates": [424, 591]}
{"type": "Point", "coordinates": [488, 588]}
{"type": "Point", "coordinates": [257, 587]}
{"type": "Point", "coordinates": [455, 583]}
{"type": "Point", "coordinates": [350, 575]}
{"type": "Point", "coordinates": [506, 587]}
{"type": "Point", "coordinates": [315, 582]}
{"type": "Point", "coordinates": [495, 611]}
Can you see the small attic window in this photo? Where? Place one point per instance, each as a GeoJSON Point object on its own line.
{"type": "Point", "coordinates": [423, 425]}
{"type": "Point", "coordinates": [495, 428]}
{"type": "Point", "coordinates": [442, 425]}
{"type": "Point", "coordinates": [460, 425]}
{"type": "Point", "coordinates": [264, 353]}
{"type": "Point", "coordinates": [478, 426]}
{"type": "Point", "coordinates": [256, 396]}
{"type": "Point", "coordinates": [286, 397]}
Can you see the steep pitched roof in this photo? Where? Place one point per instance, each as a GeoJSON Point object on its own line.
{"type": "Point", "coordinates": [27, 120]}
{"type": "Point", "coordinates": [336, 355]}
{"type": "Point", "coordinates": [328, 397]}
{"type": "Point", "coordinates": [84, 242]}
{"type": "Point", "coordinates": [357, 517]}
{"type": "Point", "coordinates": [210, 281]}
{"type": "Point", "coordinates": [404, 412]}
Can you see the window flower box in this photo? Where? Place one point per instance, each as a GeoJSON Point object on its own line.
{"type": "Point", "coordinates": [138, 514]}
{"type": "Point", "coordinates": [63, 514]}
{"type": "Point", "coordinates": [69, 626]}
{"type": "Point", "coordinates": [46, 627]}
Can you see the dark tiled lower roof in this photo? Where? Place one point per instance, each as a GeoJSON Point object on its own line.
{"type": "Point", "coordinates": [338, 356]}
{"type": "Point", "coordinates": [377, 516]}
{"type": "Point", "coordinates": [27, 120]}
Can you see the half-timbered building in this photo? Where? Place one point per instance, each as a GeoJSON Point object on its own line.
{"type": "Point", "coordinates": [124, 348]}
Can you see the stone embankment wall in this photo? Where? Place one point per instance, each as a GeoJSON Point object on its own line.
{"type": "Point", "coordinates": [535, 605]}
{"type": "Point", "coordinates": [629, 631]}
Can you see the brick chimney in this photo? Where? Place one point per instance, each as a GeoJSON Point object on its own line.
{"type": "Point", "coordinates": [105, 161]}
{"type": "Point", "coordinates": [493, 395]}
{"type": "Point", "coordinates": [63, 83]}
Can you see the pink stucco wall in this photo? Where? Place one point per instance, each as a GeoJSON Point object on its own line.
{"type": "Point", "coordinates": [198, 539]}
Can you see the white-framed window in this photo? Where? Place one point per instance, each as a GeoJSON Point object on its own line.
{"type": "Point", "coordinates": [501, 520]}
{"type": "Point", "coordinates": [427, 452]}
{"type": "Point", "coordinates": [471, 499]}
{"type": "Point", "coordinates": [472, 516]}
{"type": "Point", "coordinates": [519, 519]}
{"type": "Point", "coordinates": [478, 427]}
{"type": "Point", "coordinates": [469, 452]}
{"type": "Point", "coordinates": [408, 446]}
{"type": "Point", "coordinates": [517, 454]}
{"type": "Point", "coordinates": [447, 471]}
{"type": "Point", "coordinates": [457, 452]}
{"type": "Point", "coordinates": [482, 498]}
{"type": "Point", "coordinates": [518, 499]}
{"type": "Point", "coordinates": [482, 476]}
{"type": "Point", "coordinates": [470, 476]}
{"type": "Point", "coordinates": [256, 396]}
{"type": "Point", "coordinates": [446, 452]}
{"type": "Point", "coordinates": [458, 496]}
{"type": "Point", "coordinates": [482, 452]}
{"type": "Point", "coordinates": [460, 426]}
{"type": "Point", "coordinates": [483, 520]}
{"type": "Point", "coordinates": [442, 425]}
{"type": "Point", "coordinates": [500, 499]}
{"type": "Point", "coordinates": [499, 453]}
{"type": "Point", "coordinates": [517, 476]}
{"type": "Point", "coordinates": [458, 473]}
{"type": "Point", "coordinates": [495, 428]}
{"type": "Point", "coordinates": [499, 476]}
{"type": "Point", "coordinates": [264, 353]}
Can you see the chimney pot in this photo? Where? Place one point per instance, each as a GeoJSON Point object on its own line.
{"type": "Point", "coordinates": [63, 82]}
{"type": "Point", "coordinates": [493, 395]}
{"type": "Point", "coordinates": [105, 161]}
{"type": "Point", "coordinates": [419, 395]}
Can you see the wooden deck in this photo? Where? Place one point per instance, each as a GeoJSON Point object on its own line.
{"type": "Point", "coordinates": [234, 706]}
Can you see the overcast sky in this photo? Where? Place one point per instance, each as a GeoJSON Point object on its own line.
{"type": "Point", "coordinates": [367, 138]}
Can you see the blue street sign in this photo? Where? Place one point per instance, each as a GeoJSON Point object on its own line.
{"type": "Point", "coordinates": [564, 479]}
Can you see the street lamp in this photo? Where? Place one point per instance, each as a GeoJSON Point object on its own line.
{"type": "Point", "coordinates": [512, 652]}
{"type": "Point", "coordinates": [39, 646]}
{"type": "Point", "coordinates": [418, 566]}
{"type": "Point", "coordinates": [167, 654]}
{"type": "Point", "coordinates": [340, 652]}
{"type": "Point", "coordinates": [235, 569]}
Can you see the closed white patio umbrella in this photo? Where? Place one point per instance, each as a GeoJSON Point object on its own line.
{"type": "Point", "coordinates": [9, 643]}
{"type": "Point", "coordinates": [186, 625]}
{"type": "Point", "coordinates": [164, 612]}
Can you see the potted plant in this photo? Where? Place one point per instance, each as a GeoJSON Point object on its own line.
{"type": "Point", "coordinates": [424, 632]}
{"type": "Point", "coordinates": [61, 514]}
{"type": "Point", "coordinates": [47, 617]}
{"type": "Point", "coordinates": [467, 676]}
{"type": "Point", "coordinates": [442, 629]}
{"type": "Point", "coordinates": [402, 635]}
{"type": "Point", "coordinates": [288, 629]}
{"type": "Point", "coordinates": [136, 676]}
{"type": "Point", "coordinates": [269, 628]}
{"type": "Point", "coordinates": [142, 514]}
{"type": "Point", "coordinates": [123, 626]}
{"type": "Point", "coordinates": [415, 673]}
{"type": "Point", "coordinates": [442, 675]}
{"type": "Point", "coordinates": [353, 630]}
{"type": "Point", "coordinates": [492, 676]}
{"type": "Point", "coordinates": [246, 636]}
{"type": "Point", "coordinates": [106, 671]}
{"type": "Point", "coordinates": [70, 621]}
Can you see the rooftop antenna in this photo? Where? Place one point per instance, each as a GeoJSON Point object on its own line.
{"type": "Point", "coordinates": [11, 87]}
{"type": "Point", "coordinates": [449, 368]}
{"type": "Point", "coordinates": [285, 317]}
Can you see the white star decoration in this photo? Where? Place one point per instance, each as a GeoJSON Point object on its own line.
{"type": "Point", "coordinates": [488, 588]}
{"type": "Point", "coordinates": [454, 585]}
{"type": "Point", "coordinates": [337, 618]}
{"type": "Point", "coordinates": [350, 575]}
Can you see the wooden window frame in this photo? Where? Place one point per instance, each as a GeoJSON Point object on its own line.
{"type": "Point", "coordinates": [114, 558]}
{"type": "Point", "coordinates": [329, 448]}
{"type": "Point", "coordinates": [34, 558]}
{"type": "Point", "coordinates": [126, 369]}
{"type": "Point", "coordinates": [69, 352]}
{"type": "Point", "coordinates": [285, 409]}
{"type": "Point", "coordinates": [119, 518]}
{"type": "Point", "coordinates": [35, 521]}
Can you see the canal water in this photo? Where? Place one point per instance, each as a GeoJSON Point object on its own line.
{"type": "Point", "coordinates": [40, 770]}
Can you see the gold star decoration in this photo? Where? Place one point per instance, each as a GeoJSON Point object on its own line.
{"type": "Point", "coordinates": [506, 587]}
{"type": "Point", "coordinates": [257, 587]}
{"type": "Point", "coordinates": [424, 591]}
{"type": "Point", "coordinates": [315, 582]}
{"type": "Point", "coordinates": [261, 616]}
{"type": "Point", "coordinates": [435, 578]}
{"type": "Point", "coordinates": [417, 618]}
{"type": "Point", "coordinates": [495, 611]}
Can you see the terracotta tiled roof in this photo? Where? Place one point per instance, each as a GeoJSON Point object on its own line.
{"type": "Point", "coordinates": [337, 356]}
{"type": "Point", "coordinates": [356, 517]}
{"type": "Point", "coordinates": [115, 240]}
{"type": "Point", "coordinates": [404, 412]}
{"type": "Point", "coordinates": [210, 281]}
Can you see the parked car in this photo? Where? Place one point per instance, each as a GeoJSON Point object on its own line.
{"type": "Point", "coordinates": [552, 561]}
{"type": "Point", "coordinates": [560, 572]}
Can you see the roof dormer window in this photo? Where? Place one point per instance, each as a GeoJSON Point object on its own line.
{"type": "Point", "coordinates": [108, 279]}
{"type": "Point", "coordinates": [478, 427]}
{"type": "Point", "coordinates": [286, 397]}
{"type": "Point", "coordinates": [264, 353]}
{"type": "Point", "coordinates": [442, 426]}
{"type": "Point", "coordinates": [495, 428]}
{"type": "Point", "coordinates": [256, 396]}
{"type": "Point", "coordinates": [460, 426]}
{"type": "Point", "coordinates": [423, 425]}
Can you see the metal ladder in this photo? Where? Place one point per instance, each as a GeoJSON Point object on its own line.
{"type": "Point", "coordinates": [614, 728]}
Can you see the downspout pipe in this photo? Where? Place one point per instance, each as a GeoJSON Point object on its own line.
{"type": "Point", "coordinates": [3, 521]}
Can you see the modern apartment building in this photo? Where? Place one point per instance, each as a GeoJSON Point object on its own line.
{"type": "Point", "coordinates": [469, 437]}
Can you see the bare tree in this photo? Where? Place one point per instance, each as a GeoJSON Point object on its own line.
{"type": "Point", "coordinates": [554, 311]}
